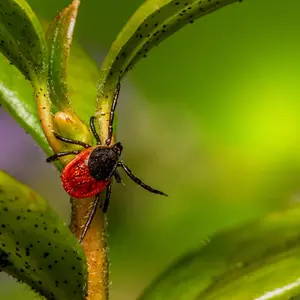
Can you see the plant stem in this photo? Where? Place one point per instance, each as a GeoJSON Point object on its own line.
{"type": "Point", "coordinates": [94, 245]}
{"type": "Point", "coordinates": [44, 110]}
{"type": "Point", "coordinates": [95, 241]}
{"type": "Point", "coordinates": [104, 102]}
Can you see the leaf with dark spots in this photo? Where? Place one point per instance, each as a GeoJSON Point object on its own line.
{"type": "Point", "coordinates": [59, 37]}
{"type": "Point", "coordinates": [154, 21]}
{"type": "Point", "coordinates": [17, 98]}
{"type": "Point", "coordinates": [257, 261]}
{"type": "Point", "coordinates": [33, 256]}
{"type": "Point", "coordinates": [22, 39]}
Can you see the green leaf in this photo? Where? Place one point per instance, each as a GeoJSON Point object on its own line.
{"type": "Point", "coordinates": [16, 93]}
{"type": "Point", "coordinates": [83, 74]}
{"type": "Point", "coordinates": [22, 39]}
{"type": "Point", "coordinates": [151, 24]}
{"type": "Point", "coordinates": [258, 261]}
{"type": "Point", "coordinates": [59, 37]}
{"type": "Point", "coordinates": [36, 247]}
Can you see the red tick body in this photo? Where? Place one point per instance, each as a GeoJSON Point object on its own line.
{"type": "Point", "coordinates": [77, 179]}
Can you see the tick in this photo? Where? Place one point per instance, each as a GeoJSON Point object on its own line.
{"type": "Point", "coordinates": [94, 167]}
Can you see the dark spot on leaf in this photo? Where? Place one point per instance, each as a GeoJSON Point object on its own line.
{"type": "Point", "coordinates": [4, 259]}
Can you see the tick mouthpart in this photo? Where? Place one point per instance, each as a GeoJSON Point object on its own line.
{"type": "Point", "coordinates": [117, 148]}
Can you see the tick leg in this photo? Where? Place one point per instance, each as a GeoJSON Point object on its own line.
{"type": "Point", "coordinates": [92, 125]}
{"type": "Point", "coordinates": [107, 198]}
{"type": "Point", "coordinates": [117, 177]}
{"type": "Point", "coordinates": [60, 154]}
{"type": "Point", "coordinates": [138, 181]}
{"type": "Point", "coordinates": [90, 218]}
{"type": "Point", "coordinates": [112, 115]}
{"type": "Point", "coordinates": [70, 141]}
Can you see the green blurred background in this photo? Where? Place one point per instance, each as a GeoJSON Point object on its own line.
{"type": "Point", "coordinates": [211, 117]}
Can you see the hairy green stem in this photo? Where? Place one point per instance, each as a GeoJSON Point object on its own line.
{"type": "Point", "coordinates": [94, 245]}
{"type": "Point", "coordinates": [46, 118]}
{"type": "Point", "coordinates": [95, 241]}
